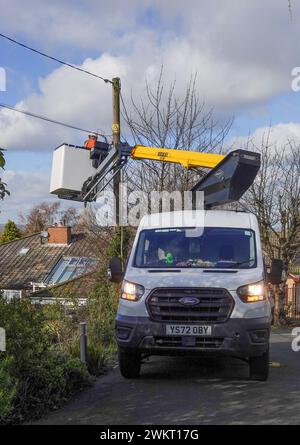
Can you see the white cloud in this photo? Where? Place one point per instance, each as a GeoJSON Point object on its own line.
{"type": "Point", "coordinates": [64, 95]}
{"type": "Point", "coordinates": [27, 189]}
{"type": "Point", "coordinates": [80, 100]}
{"type": "Point", "coordinates": [277, 135]}
{"type": "Point", "coordinates": [87, 24]}
{"type": "Point", "coordinates": [242, 51]}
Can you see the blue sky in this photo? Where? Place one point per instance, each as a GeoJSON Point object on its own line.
{"type": "Point", "coordinates": [243, 54]}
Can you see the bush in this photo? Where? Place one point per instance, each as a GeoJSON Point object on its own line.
{"type": "Point", "coordinates": [36, 377]}
{"type": "Point", "coordinates": [25, 330]}
{"type": "Point", "coordinates": [102, 309]}
{"type": "Point", "coordinates": [62, 328]}
{"type": "Point", "coordinates": [45, 383]}
{"type": "Point", "coordinates": [98, 358]}
{"type": "Point", "coordinates": [7, 388]}
{"type": "Point", "coordinates": [62, 324]}
{"type": "Point", "coordinates": [41, 368]}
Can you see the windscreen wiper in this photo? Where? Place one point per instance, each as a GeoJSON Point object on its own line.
{"type": "Point", "coordinates": [238, 263]}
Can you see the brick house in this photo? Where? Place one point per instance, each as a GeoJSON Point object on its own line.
{"type": "Point", "coordinates": [46, 259]}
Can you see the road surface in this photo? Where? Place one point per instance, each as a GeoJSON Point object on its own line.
{"type": "Point", "coordinates": [194, 392]}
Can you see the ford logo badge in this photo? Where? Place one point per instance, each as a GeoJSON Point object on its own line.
{"type": "Point", "coordinates": [189, 301]}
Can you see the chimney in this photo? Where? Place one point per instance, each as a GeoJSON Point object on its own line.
{"type": "Point", "coordinates": [59, 234]}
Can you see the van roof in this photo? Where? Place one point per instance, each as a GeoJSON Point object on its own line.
{"type": "Point", "coordinates": [199, 218]}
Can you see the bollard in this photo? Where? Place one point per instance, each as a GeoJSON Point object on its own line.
{"type": "Point", "coordinates": [83, 342]}
{"type": "Point", "coordinates": [2, 340]}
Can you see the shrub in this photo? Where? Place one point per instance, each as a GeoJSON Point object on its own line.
{"type": "Point", "coordinates": [61, 324]}
{"type": "Point", "coordinates": [25, 330]}
{"type": "Point", "coordinates": [45, 383]}
{"type": "Point", "coordinates": [98, 358]}
{"type": "Point", "coordinates": [102, 309]}
{"type": "Point", "coordinates": [42, 368]}
{"type": "Point", "coordinates": [7, 388]}
{"type": "Point", "coordinates": [37, 376]}
{"type": "Point", "coordinates": [99, 315]}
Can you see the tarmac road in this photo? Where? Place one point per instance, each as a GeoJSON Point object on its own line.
{"type": "Point", "coordinates": [192, 392]}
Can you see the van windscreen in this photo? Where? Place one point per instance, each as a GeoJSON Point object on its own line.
{"type": "Point", "coordinates": [209, 247]}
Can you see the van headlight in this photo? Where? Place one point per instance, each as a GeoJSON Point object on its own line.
{"type": "Point", "coordinates": [252, 293]}
{"type": "Point", "coordinates": [132, 291]}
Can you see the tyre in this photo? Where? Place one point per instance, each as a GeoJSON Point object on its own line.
{"type": "Point", "coordinates": [259, 367]}
{"type": "Point", "coordinates": [129, 364]}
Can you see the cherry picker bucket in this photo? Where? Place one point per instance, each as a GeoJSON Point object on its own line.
{"type": "Point", "coordinates": [230, 179]}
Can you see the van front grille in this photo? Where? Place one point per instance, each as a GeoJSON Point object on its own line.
{"type": "Point", "coordinates": [198, 342]}
{"type": "Point", "coordinates": [208, 305]}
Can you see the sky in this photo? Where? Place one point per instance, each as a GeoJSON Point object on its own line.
{"type": "Point", "coordinates": [242, 51]}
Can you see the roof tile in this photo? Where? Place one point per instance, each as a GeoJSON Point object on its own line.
{"type": "Point", "coordinates": [17, 271]}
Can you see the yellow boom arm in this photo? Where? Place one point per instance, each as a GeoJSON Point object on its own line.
{"type": "Point", "coordinates": [187, 159]}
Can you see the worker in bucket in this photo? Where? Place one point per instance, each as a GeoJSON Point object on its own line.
{"type": "Point", "coordinates": [98, 150]}
{"type": "Point", "coordinates": [91, 141]}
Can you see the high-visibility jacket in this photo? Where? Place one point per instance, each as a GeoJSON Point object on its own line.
{"type": "Point", "coordinates": [90, 143]}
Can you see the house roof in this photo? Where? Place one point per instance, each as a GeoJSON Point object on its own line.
{"type": "Point", "coordinates": [79, 286]}
{"type": "Point", "coordinates": [18, 270]}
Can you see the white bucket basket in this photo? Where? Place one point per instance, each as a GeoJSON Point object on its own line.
{"type": "Point", "coordinates": [71, 166]}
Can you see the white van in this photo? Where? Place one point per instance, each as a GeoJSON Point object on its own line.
{"type": "Point", "coordinates": [195, 283]}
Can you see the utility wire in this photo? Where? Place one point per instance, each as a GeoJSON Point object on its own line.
{"type": "Point", "coordinates": [37, 116]}
{"type": "Point", "coordinates": [54, 58]}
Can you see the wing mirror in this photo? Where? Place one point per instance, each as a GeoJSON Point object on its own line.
{"type": "Point", "coordinates": [115, 272]}
{"type": "Point", "coordinates": [275, 276]}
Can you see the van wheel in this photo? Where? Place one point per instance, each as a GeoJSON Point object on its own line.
{"type": "Point", "coordinates": [130, 364]}
{"type": "Point", "coordinates": [259, 367]}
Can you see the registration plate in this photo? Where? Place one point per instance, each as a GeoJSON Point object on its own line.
{"type": "Point", "coordinates": [180, 329]}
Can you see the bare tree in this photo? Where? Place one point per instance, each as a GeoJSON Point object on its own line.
{"type": "Point", "coordinates": [275, 199]}
{"type": "Point", "coordinates": [89, 223]}
{"type": "Point", "coordinates": [70, 217]}
{"type": "Point", "coordinates": [166, 119]}
{"type": "Point", "coordinates": [45, 214]}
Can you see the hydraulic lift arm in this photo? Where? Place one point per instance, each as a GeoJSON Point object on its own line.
{"type": "Point", "coordinates": [228, 179]}
{"type": "Point", "coordinates": [188, 159]}
{"type": "Point", "coordinates": [116, 158]}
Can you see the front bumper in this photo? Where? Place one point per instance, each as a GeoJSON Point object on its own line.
{"type": "Point", "coordinates": [237, 337]}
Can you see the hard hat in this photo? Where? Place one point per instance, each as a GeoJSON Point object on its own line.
{"type": "Point", "coordinates": [93, 135]}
